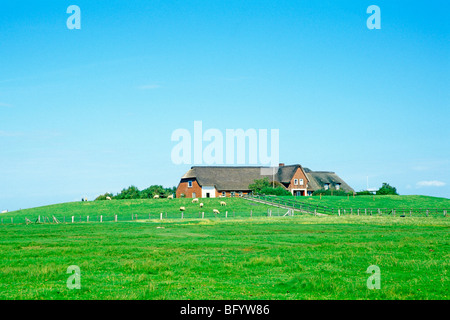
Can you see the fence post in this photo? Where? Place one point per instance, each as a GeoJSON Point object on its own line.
{"type": "Point", "coordinates": [182, 214]}
{"type": "Point", "coordinates": [365, 212]}
{"type": "Point", "coordinates": [351, 211]}
{"type": "Point", "coordinates": [358, 211]}
{"type": "Point", "coordinates": [160, 216]}
{"type": "Point", "coordinates": [251, 213]}
{"type": "Point", "coordinates": [427, 212]}
{"type": "Point", "coordinates": [226, 214]}
{"type": "Point", "coordinates": [445, 213]}
{"type": "Point", "coordinates": [73, 218]}
{"type": "Point", "coordinates": [379, 213]}
{"type": "Point", "coordinates": [115, 218]}
{"type": "Point", "coordinates": [203, 215]}
{"type": "Point", "coordinates": [87, 220]}
{"type": "Point", "coordinates": [12, 220]}
{"type": "Point", "coordinates": [101, 218]}
{"type": "Point", "coordinates": [339, 212]}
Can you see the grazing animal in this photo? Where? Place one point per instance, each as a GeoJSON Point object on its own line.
{"type": "Point", "coordinates": [5, 211]}
{"type": "Point", "coordinates": [201, 205]}
{"type": "Point", "coordinates": [155, 196]}
{"type": "Point", "coordinates": [170, 197]}
{"type": "Point", "coordinates": [223, 203]}
{"type": "Point", "coordinates": [194, 200]}
{"type": "Point", "coordinates": [108, 198]}
{"type": "Point", "coordinates": [216, 211]}
{"type": "Point", "coordinates": [182, 208]}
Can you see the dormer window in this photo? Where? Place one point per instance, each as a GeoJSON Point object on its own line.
{"type": "Point", "coordinates": [326, 186]}
{"type": "Point", "coordinates": [295, 182]}
{"type": "Point", "coordinates": [301, 182]}
{"type": "Point", "coordinates": [190, 184]}
{"type": "Point", "coordinates": [338, 186]}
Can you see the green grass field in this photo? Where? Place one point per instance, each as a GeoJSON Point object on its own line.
{"type": "Point", "coordinates": [396, 202]}
{"type": "Point", "coordinates": [299, 257]}
{"type": "Point", "coordinates": [124, 209]}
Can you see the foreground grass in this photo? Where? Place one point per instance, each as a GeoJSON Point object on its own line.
{"type": "Point", "coordinates": [299, 257]}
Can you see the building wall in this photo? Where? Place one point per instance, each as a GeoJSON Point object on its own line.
{"type": "Point", "coordinates": [207, 189]}
{"type": "Point", "coordinates": [228, 193]}
{"type": "Point", "coordinates": [183, 188]}
{"type": "Point", "coordinates": [298, 175]}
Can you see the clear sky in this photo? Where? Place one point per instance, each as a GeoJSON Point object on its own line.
{"type": "Point", "coordinates": [89, 111]}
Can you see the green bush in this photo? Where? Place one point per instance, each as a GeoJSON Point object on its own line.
{"type": "Point", "coordinates": [386, 189]}
{"type": "Point", "coordinates": [103, 196]}
{"type": "Point", "coordinates": [277, 191]}
{"type": "Point", "coordinates": [364, 193]}
{"type": "Point", "coordinates": [133, 192]}
{"type": "Point", "coordinates": [264, 186]}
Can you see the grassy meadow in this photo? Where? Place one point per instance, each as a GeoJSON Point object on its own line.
{"type": "Point", "coordinates": [143, 208]}
{"type": "Point", "coordinates": [295, 257]}
{"type": "Point", "coordinates": [374, 202]}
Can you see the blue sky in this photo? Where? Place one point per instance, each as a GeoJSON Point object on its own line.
{"type": "Point", "coordinates": [89, 111]}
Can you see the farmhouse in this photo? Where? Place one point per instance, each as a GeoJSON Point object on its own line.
{"type": "Point", "coordinates": [222, 181]}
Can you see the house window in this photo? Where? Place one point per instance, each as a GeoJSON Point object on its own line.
{"type": "Point", "coordinates": [295, 182]}
{"type": "Point", "coordinates": [232, 193]}
{"type": "Point", "coordinates": [338, 186]}
{"type": "Point", "coordinates": [189, 184]}
{"type": "Point", "coordinates": [224, 194]}
{"type": "Point", "coordinates": [301, 182]}
{"type": "Point", "coordinates": [194, 195]}
{"type": "Point", "coordinates": [241, 193]}
{"type": "Point", "coordinates": [326, 186]}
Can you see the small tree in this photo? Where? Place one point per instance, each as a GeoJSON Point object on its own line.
{"type": "Point", "coordinates": [386, 189]}
{"type": "Point", "coordinates": [264, 186]}
{"type": "Point", "coordinates": [259, 184]}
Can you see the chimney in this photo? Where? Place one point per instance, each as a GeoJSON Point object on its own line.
{"type": "Point", "coordinates": [281, 165]}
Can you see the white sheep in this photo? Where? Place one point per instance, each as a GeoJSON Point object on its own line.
{"type": "Point", "coordinates": [216, 211]}
{"type": "Point", "coordinates": [170, 197]}
{"type": "Point", "coordinates": [182, 208]}
{"type": "Point", "coordinates": [155, 196]}
{"type": "Point", "coordinates": [223, 203]}
{"type": "Point", "coordinates": [108, 198]}
{"type": "Point", "coordinates": [201, 205]}
{"type": "Point", "coordinates": [194, 200]}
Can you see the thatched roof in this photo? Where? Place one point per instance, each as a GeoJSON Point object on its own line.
{"type": "Point", "coordinates": [317, 180]}
{"type": "Point", "coordinates": [239, 178]}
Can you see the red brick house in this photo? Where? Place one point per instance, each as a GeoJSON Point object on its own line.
{"type": "Point", "coordinates": [222, 181]}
